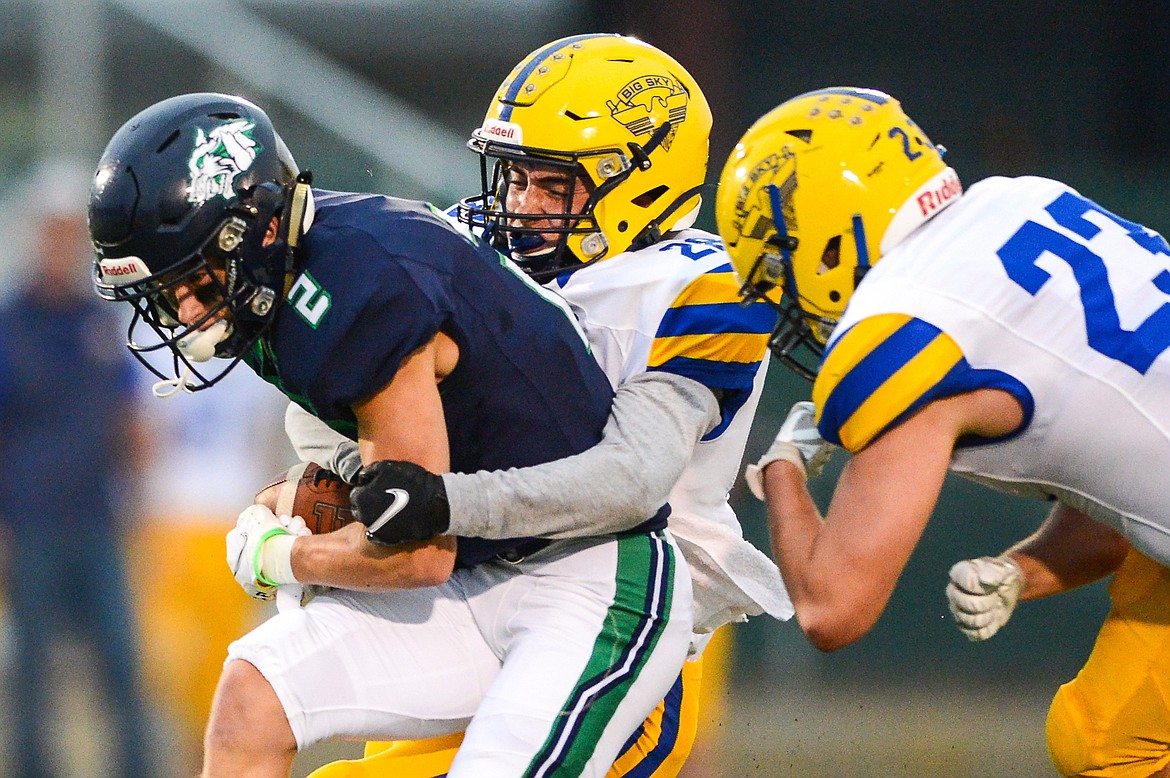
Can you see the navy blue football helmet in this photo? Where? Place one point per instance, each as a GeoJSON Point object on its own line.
{"type": "Point", "coordinates": [187, 189]}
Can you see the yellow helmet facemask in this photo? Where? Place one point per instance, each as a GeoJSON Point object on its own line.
{"type": "Point", "coordinates": [817, 191]}
{"type": "Point", "coordinates": [617, 115]}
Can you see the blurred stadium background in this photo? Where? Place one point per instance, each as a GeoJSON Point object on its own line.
{"type": "Point", "coordinates": [379, 95]}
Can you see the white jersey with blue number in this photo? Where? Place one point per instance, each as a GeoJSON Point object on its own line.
{"type": "Point", "coordinates": [675, 306]}
{"type": "Point", "coordinates": [1068, 305]}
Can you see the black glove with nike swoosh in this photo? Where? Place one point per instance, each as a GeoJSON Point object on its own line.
{"type": "Point", "coordinates": [400, 502]}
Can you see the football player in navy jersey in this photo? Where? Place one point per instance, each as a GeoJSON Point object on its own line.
{"type": "Point", "coordinates": [1017, 334]}
{"type": "Point", "coordinates": [423, 344]}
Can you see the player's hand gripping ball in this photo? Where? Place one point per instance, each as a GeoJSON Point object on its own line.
{"type": "Point", "coordinates": [317, 495]}
{"type": "Point", "coordinates": [259, 550]}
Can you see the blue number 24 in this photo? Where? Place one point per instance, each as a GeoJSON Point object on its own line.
{"type": "Point", "coordinates": [1137, 348]}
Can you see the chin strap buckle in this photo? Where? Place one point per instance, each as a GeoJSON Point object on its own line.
{"type": "Point", "coordinates": [641, 154]}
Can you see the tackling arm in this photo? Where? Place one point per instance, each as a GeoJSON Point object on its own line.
{"type": "Point", "coordinates": [316, 441]}
{"type": "Point", "coordinates": [656, 420]}
{"type": "Point", "coordinates": [841, 570]}
{"type": "Point", "coordinates": [1070, 549]}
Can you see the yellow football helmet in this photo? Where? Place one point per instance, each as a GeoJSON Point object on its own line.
{"type": "Point", "coordinates": [626, 119]}
{"type": "Point", "coordinates": [815, 192]}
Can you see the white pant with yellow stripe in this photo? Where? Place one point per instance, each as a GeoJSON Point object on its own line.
{"type": "Point", "coordinates": [550, 664]}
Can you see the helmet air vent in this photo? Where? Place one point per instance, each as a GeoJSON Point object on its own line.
{"type": "Point", "coordinates": [831, 256]}
{"type": "Point", "coordinates": [646, 199]}
{"type": "Point", "coordinates": [804, 135]}
{"type": "Point", "coordinates": [169, 140]}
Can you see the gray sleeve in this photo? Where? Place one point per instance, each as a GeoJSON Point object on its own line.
{"type": "Point", "coordinates": [656, 420]}
{"type": "Point", "coordinates": [316, 441]}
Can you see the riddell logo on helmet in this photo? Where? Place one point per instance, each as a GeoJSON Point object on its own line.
{"type": "Point", "coordinates": [507, 132]}
{"type": "Point", "coordinates": [123, 270]}
{"type": "Point", "coordinates": [936, 197]}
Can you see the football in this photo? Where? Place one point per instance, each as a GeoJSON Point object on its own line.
{"type": "Point", "coordinates": [317, 495]}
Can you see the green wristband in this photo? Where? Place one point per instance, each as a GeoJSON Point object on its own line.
{"type": "Point", "coordinates": [257, 573]}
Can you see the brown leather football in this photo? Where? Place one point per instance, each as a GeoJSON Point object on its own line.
{"type": "Point", "coordinates": [317, 495]}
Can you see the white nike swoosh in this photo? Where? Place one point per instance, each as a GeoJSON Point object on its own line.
{"type": "Point", "coordinates": [401, 498]}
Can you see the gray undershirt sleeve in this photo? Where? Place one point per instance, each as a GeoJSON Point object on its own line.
{"type": "Point", "coordinates": [656, 420]}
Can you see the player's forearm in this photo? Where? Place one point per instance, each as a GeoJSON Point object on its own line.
{"type": "Point", "coordinates": [1070, 549]}
{"type": "Point", "coordinates": [795, 524]}
{"type": "Point", "coordinates": [656, 420]}
{"type": "Point", "coordinates": [346, 560]}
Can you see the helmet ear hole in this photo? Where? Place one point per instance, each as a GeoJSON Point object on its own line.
{"type": "Point", "coordinates": [831, 256]}
{"type": "Point", "coordinates": [647, 198]}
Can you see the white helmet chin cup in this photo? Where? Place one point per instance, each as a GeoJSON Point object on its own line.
{"type": "Point", "coordinates": [199, 346]}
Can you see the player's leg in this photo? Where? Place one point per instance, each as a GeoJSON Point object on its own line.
{"type": "Point", "coordinates": [1113, 719]}
{"type": "Point", "coordinates": [667, 739]}
{"type": "Point", "coordinates": [658, 748]}
{"type": "Point", "coordinates": [248, 735]}
{"type": "Point", "coordinates": [593, 635]}
{"type": "Point", "coordinates": [350, 666]}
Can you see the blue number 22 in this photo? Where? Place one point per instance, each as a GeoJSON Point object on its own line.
{"type": "Point", "coordinates": [1137, 348]}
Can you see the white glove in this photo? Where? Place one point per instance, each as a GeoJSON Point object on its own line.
{"type": "Point", "coordinates": [982, 594]}
{"type": "Point", "coordinates": [798, 442]}
{"type": "Point", "coordinates": [316, 441]}
{"type": "Point", "coordinates": [259, 550]}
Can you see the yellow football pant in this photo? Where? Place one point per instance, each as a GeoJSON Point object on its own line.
{"type": "Point", "coordinates": [1113, 719]}
{"type": "Point", "coordinates": [400, 759]}
{"type": "Point", "coordinates": [432, 758]}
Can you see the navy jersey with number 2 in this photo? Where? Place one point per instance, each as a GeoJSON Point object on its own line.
{"type": "Point", "coordinates": [380, 277]}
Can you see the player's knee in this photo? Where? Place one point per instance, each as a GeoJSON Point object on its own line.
{"type": "Point", "coordinates": [1069, 742]}
{"type": "Point", "coordinates": [246, 714]}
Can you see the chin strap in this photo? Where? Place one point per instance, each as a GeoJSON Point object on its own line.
{"type": "Point", "coordinates": [641, 161]}
{"type": "Point", "coordinates": [298, 209]}
{"type": "Point", "coordinates": [653, 232]}
{"type": "Point", "coordinates": [300, 203]}
{"type": "Point", "coordinates": [170, 387]}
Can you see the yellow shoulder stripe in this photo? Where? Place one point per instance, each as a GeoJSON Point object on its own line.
{"type": "Point", "coordinates": [899, 392]}
{"type": "Point", "coordinates": [875, 372]}
{"type": "Point", "coordinates": [718, 347]}
{"type": "Point", "coordinates": [707, 289]}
